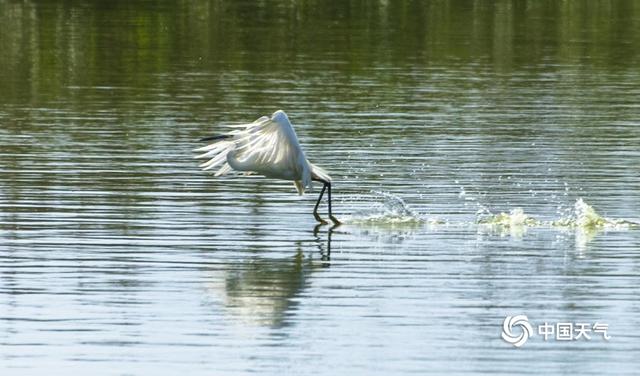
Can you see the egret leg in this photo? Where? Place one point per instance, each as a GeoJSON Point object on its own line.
{"type": "Point", "coordinates": [315, 209]}
{"type": "Point", "coordinates": [334, 219]}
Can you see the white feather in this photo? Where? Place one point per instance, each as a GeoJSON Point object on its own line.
{"type": "Point", "coordinates": [268, 146]}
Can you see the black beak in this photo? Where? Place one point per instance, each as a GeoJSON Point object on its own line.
{"type": "Point", "coordinates": [220, 137]}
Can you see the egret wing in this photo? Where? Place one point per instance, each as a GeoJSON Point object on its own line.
{"type": "Point", "coordinates": [216, 153]}
{"type": "Point", "coordinates": [265, 146]}
{"type": "Point", "coordinates": [269, 148]}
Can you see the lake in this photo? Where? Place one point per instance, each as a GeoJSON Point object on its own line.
{"type": "Point", "coordinates": [485, 158]}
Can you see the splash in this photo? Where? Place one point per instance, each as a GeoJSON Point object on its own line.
{"type": "Point", "coordinates": [514, 223]}
{"type": "Point", "coordinates": [391, 211]}
{"type": "Point", "coordinates": [587, 223]}
{"type": "Point", "coordinates": [515, 218]}
{"type": "Point", "coordinates": [585, 217]}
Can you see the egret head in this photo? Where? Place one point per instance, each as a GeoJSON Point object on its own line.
{"type": "Point", "coordinates": [280, 117]}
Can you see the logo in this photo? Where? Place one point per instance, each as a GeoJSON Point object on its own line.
{"type": "Point", "coordinates": [560, 331]}
{"type": "Point", "coordinates": [516, 321]}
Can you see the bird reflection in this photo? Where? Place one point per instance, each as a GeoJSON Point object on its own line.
{"type": "Point", "coordinates": [262, 291]}
{"type": "Point", "coordinates": [325, 252]}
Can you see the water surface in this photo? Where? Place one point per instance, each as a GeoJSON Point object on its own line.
{"type": "Point", "coordinates": [119, 256]}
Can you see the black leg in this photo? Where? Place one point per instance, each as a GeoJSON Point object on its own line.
{"type": "Point", "coordinates": [334, 219]}
{"type": "Point", "coordinates": [315, 209]}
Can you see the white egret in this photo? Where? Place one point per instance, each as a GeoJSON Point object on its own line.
{"type": "Point", "coordinates": [269, 147]}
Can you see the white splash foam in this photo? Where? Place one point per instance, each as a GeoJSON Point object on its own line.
{"type": "Point", "coordinates": [585, 217]}
{"type": "Point", "coordinates": [515, 218]}
{"type": "Point", "coordinates": [388, 209]}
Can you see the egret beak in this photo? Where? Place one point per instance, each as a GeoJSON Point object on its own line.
{"type": "Point", "coordinates": [211, 138]}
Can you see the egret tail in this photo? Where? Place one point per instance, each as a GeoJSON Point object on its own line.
{"type": "Point", "coordinates": [219, 137]}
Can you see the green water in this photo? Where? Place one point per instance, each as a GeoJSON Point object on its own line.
{"type": "Point", "coordinates": [119, 256]}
